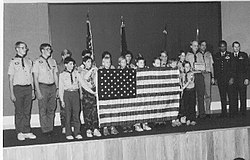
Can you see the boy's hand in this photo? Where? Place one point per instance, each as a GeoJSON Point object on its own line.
{"type": "Point", "coordinates": [63, 104]}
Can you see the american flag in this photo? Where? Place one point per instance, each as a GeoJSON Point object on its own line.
{"type": "Point", "coordinates": [89, 38]}
{"type": "Point", "coordinates": [123, 37]}
{"type": "Point", "coordinates": [156, 99]}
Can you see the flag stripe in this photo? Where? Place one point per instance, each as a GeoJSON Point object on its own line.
{"type": "Point", "coordinates": [136, 104]}
{"type": "Point", "coordinates": [155, 86]}
{"type": "Point", "coordinates": [137, 108]}
{"type": "Point", "coordinates": [157, 73]}
{"type": "Point", "coordinates": [138, 117]}
{"type": "Point", "coordinates": [141, 99]}
{"type": "Point", "coordinates": [174, 77]}
{"type": "Point", "coordinates": [152, 90]}
{"type": "Point", "coordinates": [157, 94]}
{"type": "Point", "coordinates": [140, 112]}
{"type": "Point", "coordinates": [157, 81]}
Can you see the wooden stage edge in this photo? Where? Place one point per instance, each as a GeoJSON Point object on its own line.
{"type": "Point", "coordinates": [216, 144]}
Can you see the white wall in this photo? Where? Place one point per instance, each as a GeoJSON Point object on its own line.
{"type": "Point", "coordinates": [236, 24]}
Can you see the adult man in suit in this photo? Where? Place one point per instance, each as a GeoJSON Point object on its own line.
{"type": "Point", "coordinates": [225, 73]}
{"type": "Point", "coordinates": [242, 77]}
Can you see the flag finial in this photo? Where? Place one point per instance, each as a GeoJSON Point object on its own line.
{"type": "Point", "coordinates": [88, 15]}
{"type": "Point", "coordinates": [165, 30]}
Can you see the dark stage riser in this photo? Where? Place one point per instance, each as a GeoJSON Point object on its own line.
{"type": "Point", "coordinates": [219, 144]}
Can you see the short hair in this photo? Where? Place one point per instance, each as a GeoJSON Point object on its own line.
{"type": "Point", "coordinates": [191, 43]}
{"type": "Point", "coordinates": [201, 41]}
{"type": "Point", "coordinates": [235, 42]}
{"type": "Point", "coordinates": [172, 60]}
{"type": "Point", "coordinates": [43, 45]}
{"type": "Point", "coordinates": [69, 59]}
{"type": "Point", "coordinates": [66, 51]}
{"type": "Point", "coordinates": [86, 51]}
{"type": "Point", "coordinates": [180, 52]}
{"type": "Point", "coordinates": [239, 158]}
{"type": "Point", "coordinates": [222, 42]}
{"type": "Point", "coordinates": [106, 53]}
{"type": "Point", "coordinates": [20, 42]}
{"type": "Point", "coordinates": [87, 58]}
{"type": "Point", "coordinates": [186, 62]}
{"type": "Point", "coordinates": [155, 58]}
{"type": "Point", "coordinates": [139, 58]}
{"type": "Point", "coordinates": [121, 58]}
{"type": "Point", "coordinates": [127, 52]}
{"type": "Point", "coordinates": [162, 51]}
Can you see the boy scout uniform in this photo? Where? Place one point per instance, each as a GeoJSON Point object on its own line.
{"type": "Point", "coordinates": [46, 68]}
{"type": "Point", "coordinates": [208, 73]}
{"type": "Point", "coordinates": [20, 68]}
{"type": "Point", "coordinates": [199, 83]}
{"type": "Point", "coordinates": [69, 92]}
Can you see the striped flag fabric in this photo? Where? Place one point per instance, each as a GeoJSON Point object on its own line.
{"type": "Point", "coordinates": [156, 99]}
{"type": "Point", "coordinates": [89, 38]}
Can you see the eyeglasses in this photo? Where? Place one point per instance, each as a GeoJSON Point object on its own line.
{"type": "Point", "coordinates": [48, 49]}
{"type": "Point", "coordinates": [23, 48]}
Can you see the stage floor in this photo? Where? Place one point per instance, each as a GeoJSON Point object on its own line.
{"type": "Point", "coordinates": [215, 122]}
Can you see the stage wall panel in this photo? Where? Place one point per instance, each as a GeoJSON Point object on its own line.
{"type": "Point", "coordinates": [220, 144]}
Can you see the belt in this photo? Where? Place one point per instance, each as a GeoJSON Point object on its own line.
{"type": "Point", "coordinates": [71, 90]}
{"type": "Point", "coordinates": [47, 84]}
{"type": "Point", "coordinates": [27, 85]}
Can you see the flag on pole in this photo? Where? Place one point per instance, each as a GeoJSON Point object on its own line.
{"type": "Point", "coordinates": [165, 38]}
{"type": "Point", "coordinates": [123, 37]}
{"type": "Point", "coordinates": [89, 38]}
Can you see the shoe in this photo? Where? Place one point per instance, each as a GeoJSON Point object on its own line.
{"type": "Point", "coordinates": [188, 122]}
{"type": "Point", "coordinates": [29, 135]}
{"type": "Point", "coordinates": [97, 133]}
{"type": "Point", "coordinates": [138, 128]}
{"type": "Point", "coordinates": [78, 136]}
{"type": "Point", "coordinates": [20, 136]}
{"type": "Point", "coordinates": [130, 129]}
{"type": "Point", "coordinates": [125, 130]}
{"type": "Point", "coordinates": [184, 119]}
{"type": "Point", "coordinates": [193, 123]}
{"type": "Point", "coordinates": [146, 127]}
{"type": "Point", "coordinates": [113, 130]}
{"type": "Point", "coordinates": [106, 131]}
{"type": "Point", "coordinates": [69, 137]}
{"type": "Point", "coordinates": [63, 130]}
{"type": "Point", "coordinates": [89, 133]}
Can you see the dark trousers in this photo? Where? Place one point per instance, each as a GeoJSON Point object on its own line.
{"type": "Point", "coordinates": [226, 90]}
{"type": "Point", "coordinates": [241, 92]}
{"type": "Point", "coordinates": [89, 110]}
{"type": "Point", "coordinates": [47, 107]}
{"type": "Point", "coordinates": [72, 111]}
{"type": "Point", "coordinates": [200, 92]}
{"type": "Point", "coordinates": [189, 101]}
{"type": "Point", "coordinates": [22, 105]}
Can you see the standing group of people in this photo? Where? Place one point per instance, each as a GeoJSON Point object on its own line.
{"type": "Point", "coordinates": [75, 86]}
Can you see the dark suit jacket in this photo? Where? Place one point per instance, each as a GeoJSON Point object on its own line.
{"type": "Point", "coordinates": [242, 66]}
{"type": "Point", "coordinates": [224, 66]}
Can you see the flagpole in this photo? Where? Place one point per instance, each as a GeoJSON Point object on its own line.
{"type": "Point", "coordinates": [123, 37]}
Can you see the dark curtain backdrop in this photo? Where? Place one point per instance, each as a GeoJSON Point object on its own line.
{"type": "Point", "coordinates": [144, 27]}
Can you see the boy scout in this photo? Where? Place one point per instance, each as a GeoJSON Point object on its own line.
{"type": "Point", "coordinates": [204, 56]}
{"type": "Point", "coordinates": [21, 90]}
{"type": "Point", "coordinates": [70, 99]}
{"type": "Point", "coordinates": [46, 83]}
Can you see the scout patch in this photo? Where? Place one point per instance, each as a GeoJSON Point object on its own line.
{"type": "Point", "coordinates": [227, 57]}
